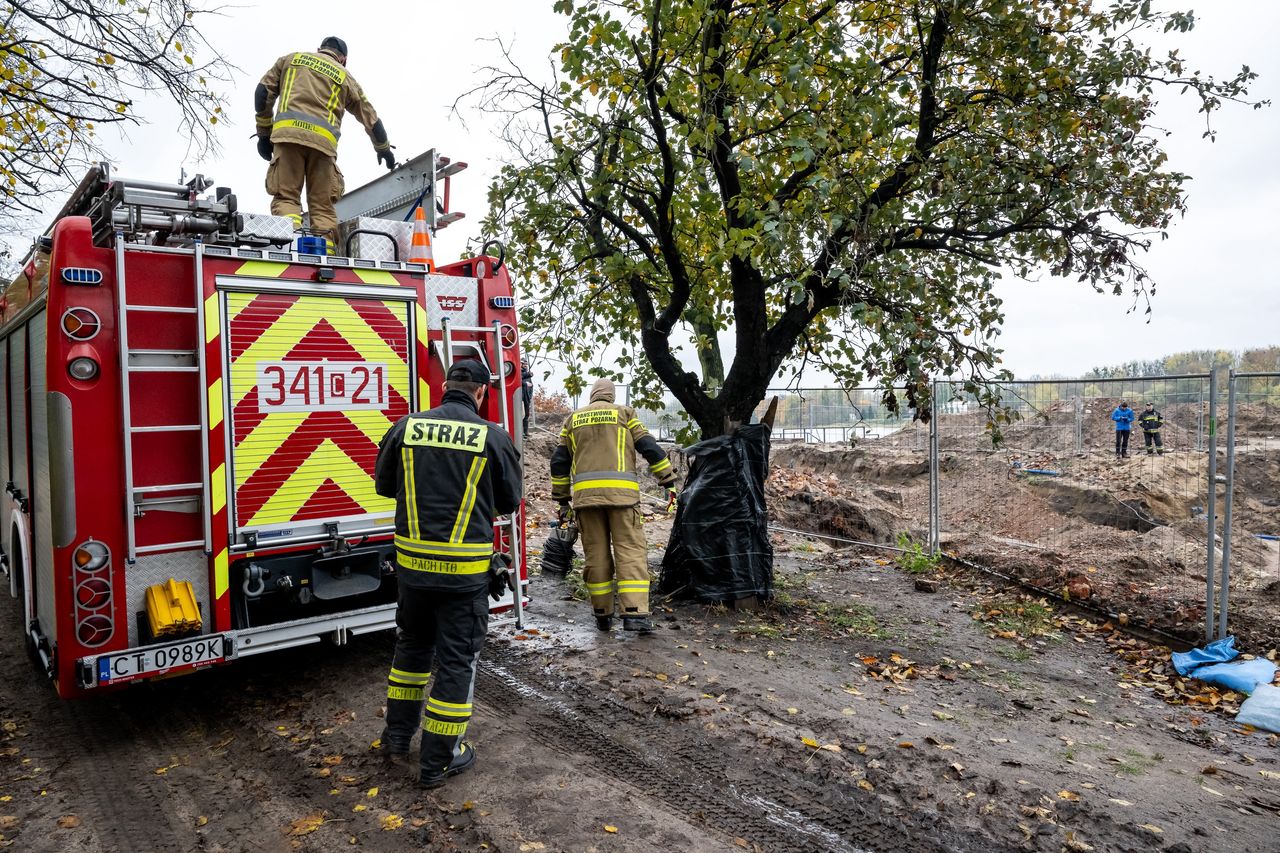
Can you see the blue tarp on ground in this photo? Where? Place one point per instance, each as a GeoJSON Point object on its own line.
{"type": "Point", "coordinates": [1219, 651]}
{"type": "Point", "coordinates": [1211, 665]}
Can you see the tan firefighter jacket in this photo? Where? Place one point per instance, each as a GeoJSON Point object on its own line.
{"type": "Point", "coordinates": [595, 463]}
{"type": "Point", "coordinates": [313, 91]}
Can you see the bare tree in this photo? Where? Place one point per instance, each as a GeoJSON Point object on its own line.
{"type": "Point", "coordinates": [72, 66]}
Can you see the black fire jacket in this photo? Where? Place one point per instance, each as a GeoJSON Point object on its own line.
{"type": "Point", "coordinates": [451, 472]}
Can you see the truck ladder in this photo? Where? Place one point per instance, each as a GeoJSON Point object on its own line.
{"type": "Point", "coordinates": [511, 522]}
{"type": "Point", "coordinates": [135, 361]}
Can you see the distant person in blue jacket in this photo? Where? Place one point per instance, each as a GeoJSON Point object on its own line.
{"type": "Point", "coordinates": [1123, 416]}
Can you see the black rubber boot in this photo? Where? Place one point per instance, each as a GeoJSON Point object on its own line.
{"type": "Point", "coordinates": [404, 716]}
{"type": "Point", "coordinates": [604, 623]}
{"type": "Point", "coordinates": [639, 624]}
{"type": "Point", "coordinates": [460, 764]}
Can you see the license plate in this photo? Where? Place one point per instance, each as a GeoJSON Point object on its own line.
{"type": "Point", "coordinates": [159, 659]}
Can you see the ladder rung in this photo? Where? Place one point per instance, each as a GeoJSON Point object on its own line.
{"type": "Point", "coordinates": [168, 546]}
{"type": "Point", "coordinates": [167, 428]}
{"type": "Point", "coordinates": [162, 309]}
{"type": "Point", "coordinates": [168, 487]}
{"type": "Point", "coordinates": [140, 369]}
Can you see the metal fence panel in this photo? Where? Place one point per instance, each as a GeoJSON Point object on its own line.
{"type": "Point", "coordinates": [1055, 502]}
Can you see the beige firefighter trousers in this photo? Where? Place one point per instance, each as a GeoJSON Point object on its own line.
{"type": "Point", "coordinates": [293, 165]}
{"type": "Point", "coordinates": [616, 559]}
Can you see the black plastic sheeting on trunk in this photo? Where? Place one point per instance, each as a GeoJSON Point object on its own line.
{"type": "Point", "coordinates": [719, 549]}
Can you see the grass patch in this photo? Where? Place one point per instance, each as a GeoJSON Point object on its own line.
{"type": "Point", "coordinates": [1021, 618]}
{"type": "Point", "coordinates": [851, 618]}
{"type": "Point", "coordinates": [914, 559]}
{"type": "Point", "coordinates": [1015, 653]}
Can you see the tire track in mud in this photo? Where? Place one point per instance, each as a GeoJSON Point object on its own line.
{"type": "Point", "coordinates": [694, 777]}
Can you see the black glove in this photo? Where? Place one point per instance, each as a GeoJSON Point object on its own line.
{"type": "Point", "coordinates": [500, 577]}
{"type": "Point", "coordinates": [265, 147]}
{"type": "Point", "coordinates": [386, 156]}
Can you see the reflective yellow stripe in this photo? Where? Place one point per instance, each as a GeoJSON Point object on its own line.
{"type": "Point", "coordinates": [605, 484]}
{"type": "Point", "coordinates": [460, 524]}
{"type": "Point", "coordinates": [448, 709]}
{"type": "Point", "coordinates": [623, 583]}
{"type": "Point", "coordinates": [442, 567]}
{"type": "Point", "coordinates": [449, 549]}
{"type": "Point", "coordinates": [622, 444]}
{"type": "Point", "coordinates": [600, 588]}
{"type": "Point", "coordinates": [334, 91]}
{"type": "Point", "coordinates": [439, 727]}
{"type": "Point", "coordinates": [559, 481]}
{"type": "Point", "coordinates": [660, 467]}
{"type": "Point", "coordinates": [633, 423]}
{"type": "Point", "coordinates": [410, 694]}
{"type": "Point", "coordinates": [404, 677]}
{"type": "Point", "coordinates": [306, 125]}
{"type": "Point", "coordinates": [410, 493]}
{"type": "Point", "coordinates": [290, 74]}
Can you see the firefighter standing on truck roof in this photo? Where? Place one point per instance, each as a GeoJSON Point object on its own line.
{"type": "Point", "coordinates": [594, 467]}
{"type": "Point", "coordinates": [450, 472]}
{"type": "Point", "coordinates": [301, 137]}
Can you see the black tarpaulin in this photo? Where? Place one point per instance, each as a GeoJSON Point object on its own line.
{"type": "Point", "coordinates": [719, 549]}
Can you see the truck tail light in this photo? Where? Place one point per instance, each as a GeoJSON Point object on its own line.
{"type": "Point", "coordinates": [91, 556]}
{"type": "Point", "coordinates": [95, 624]}
{"type": "Point", "coordinates": [80, 324]}
{"type": "Point", "coordinates": [82, 368]}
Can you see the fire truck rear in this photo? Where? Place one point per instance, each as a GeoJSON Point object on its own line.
{"type": "Point", "coordinates": [190, 410]}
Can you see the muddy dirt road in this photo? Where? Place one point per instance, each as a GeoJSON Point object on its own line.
{"type": "Point", "coordinates": [863, 716]}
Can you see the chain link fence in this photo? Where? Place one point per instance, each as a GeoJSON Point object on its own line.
{"type": "Point", "coordinates": [1056, 502]}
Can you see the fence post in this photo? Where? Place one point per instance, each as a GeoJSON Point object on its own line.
{"type": "Point", "coordinates": [935, 511]}
{"type": "Point", "coordinates": [1224, 585]}
{"type": "Point", "coordinates": [1079, 404]}
{"type": "Point", "coordinates": [1209, 507]}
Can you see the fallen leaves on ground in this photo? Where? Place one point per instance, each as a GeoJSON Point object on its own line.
{"type": "Point", "coordinates": [391, 822]}
{"type": "Point", "coordinates": [307, 825]}
{"type": "Point", "coordinates": [610, 828]}
{"type": "Point", "coordinates": [69, 821]}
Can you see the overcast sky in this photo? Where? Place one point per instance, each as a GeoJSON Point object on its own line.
{"type": "Point", "coordinates": [1216, 274]}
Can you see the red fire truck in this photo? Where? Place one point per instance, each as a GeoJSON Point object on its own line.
{"type": "Point", "coordinates": [190, 410]}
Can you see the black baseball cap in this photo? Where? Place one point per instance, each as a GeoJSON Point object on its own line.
{"type": "Point", "coordinates": [468, 370]}
{"type": "Point", "coordinates": [336, 44]}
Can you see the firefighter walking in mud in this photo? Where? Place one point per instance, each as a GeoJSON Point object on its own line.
{"type": "Point", "coordinates": [593, 470]}
{"type": "Point", "coordinates": [450, 472]}
{"type": "Point", "coordinates": [300, 138]}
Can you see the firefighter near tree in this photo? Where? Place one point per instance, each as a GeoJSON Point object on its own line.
{"type": "Point", "coordinates": [190, 413]}
{"type": "Point", "coordinates": [593, 476]}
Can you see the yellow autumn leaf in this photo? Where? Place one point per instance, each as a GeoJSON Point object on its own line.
{"type": "Point", "coordinates": [865, 785]}
{"type": "Point", "coordinates": [307, 825]}
{"type": "Point", "coordinates": [392, 821]}
{"type": "Point", "coordinates": [610, 829]}
{"type": "Point", "coordinates": [793, 710]}
{"type": "Point", "coordinates": [1069, 795]}
{"type": "Point", "coordinates": [808, 741]}
{"type": "Point", "coordinates": [359, 807]}
{"type": "Point", "coordinates": [373, 792]}
{"type": "Point", "coordinates": [202, 820]}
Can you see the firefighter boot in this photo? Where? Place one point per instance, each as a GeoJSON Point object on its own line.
{"type": "Point", "coordinates": [604, 623]}
{"type": "Point", "coordinates": [462, 762]}
{"type": "Point", "coordinates": [404, 716]}
{"type": "Point", "coordinates": [639, 624]}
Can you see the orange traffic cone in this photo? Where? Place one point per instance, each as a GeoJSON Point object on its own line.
{"type": "Point", "coordinates": [420, 250]}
